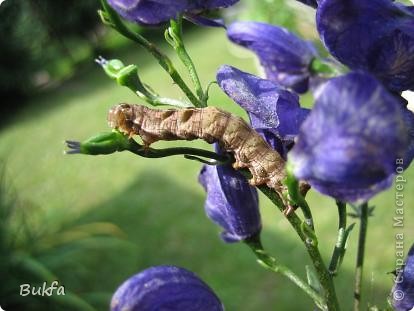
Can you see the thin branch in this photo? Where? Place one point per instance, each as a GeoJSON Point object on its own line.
{"type": "Point", "coordinates": [364, 213]}
{"type": "Point", "coordinates": [341, 239]}
{"type": "Point", "coordinates": [270, 263]}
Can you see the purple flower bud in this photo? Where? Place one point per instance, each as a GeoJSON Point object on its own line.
{"type": "Point", "coordinates": [285, 57]}
{"type": "Point", "coordinates": [165, 288]}
{"type": "Point", "coordinates": [403, 290]}
{"type": "Point", "coordinates": [372, 35]}
{"type": "Point", "coordinates": [154, 12]}
{"type": "Point", "coordinates": [273, 110]}
{"type": "Point", "coordinates": [231, 202]}
{"type": "Point", "coordinates": [348, 146]}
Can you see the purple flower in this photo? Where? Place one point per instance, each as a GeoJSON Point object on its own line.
{"type": "Point", "coordinates": [372, 35]}
{"type": "Point", "coordinates": [154, 12]}
{"type": "Point", "coordinates": [274, 112]}
{"type": "Point", "coordinates": [285, 57]}
{"type": "Point", "coordinates": [231, 202]}
{"type": "Point", "coordinates": [403, 290]}
{"type": "Point", "coordinates": [165, 288]}
{"type": "Point", "coordinates": [348, 146]}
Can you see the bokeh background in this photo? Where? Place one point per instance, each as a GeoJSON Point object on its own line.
{"type": "Point", "coordinates": [91, 222]}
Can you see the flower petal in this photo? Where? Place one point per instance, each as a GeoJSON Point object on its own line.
{"type": "Point", "coordinates": [372, 35]}
{"type": "Point", "coordinates": [403, 290]}
{"type": "Point", "coordinates": [165, 288]}
{"type": "Point", "coordinates": [269, 105]}
{"type": "Point", "coordinates": [284, 56]}
{"type": "Point", "coordinates": [154, 12]}
{"type": "Point", "coordinates": [348, 145]}
{"type": "Point", "coordinates": [312, 3]}
{"type": "Point", "coordinates": [231, 202]}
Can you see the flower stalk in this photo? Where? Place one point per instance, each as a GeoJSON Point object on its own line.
{"type": "Point", "coordinates": [363, 215]}
{"type": "Point", "coordinates": [343, 234]}
{"type": "Point", "coordinates": [115, 141]}
{"type": "Point", "coordinates": [324, 276]}
{"type": "Point", "coordinates": [174, 36]}
{"type": "Point", "coordinates": [271, 264]}
{"type": "Point", "coordinates": [111, 18]}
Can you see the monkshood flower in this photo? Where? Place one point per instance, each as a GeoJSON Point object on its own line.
{"type": "Point", "coordinates": [165, 288]}
{"type": "Point", "coordinates": [154, 12]}
{"type": "Point", "coordinates": [372, 35]}
{"type": "Point", "coordinates": [285, 57]}
{"type": "Point", "coordinates": [403, 290]}
{"type": "Point", "coordinates": [274, 111]}
{"type": "Point", "coordinates": [231, 202]}
{"type": "Point", "coordinates": [348, 146]}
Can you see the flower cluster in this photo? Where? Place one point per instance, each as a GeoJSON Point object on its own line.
{"type": "Point", "coordinates": [346, 147]}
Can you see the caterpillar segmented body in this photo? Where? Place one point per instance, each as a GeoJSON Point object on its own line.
{"type": "Point", "coordinates": [211, 124]}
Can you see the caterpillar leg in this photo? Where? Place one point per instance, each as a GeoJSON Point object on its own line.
{"type": "Point", "coordinates": [257, 181]}
{"type": "Point", "coordinates": [147, 139]}
{"type": "Point", "coordinates": [289, 210]}
{"type": "Point", "coordinates": [238, 165]}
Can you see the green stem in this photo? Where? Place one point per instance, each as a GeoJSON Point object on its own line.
{"type": "Point", "coordinates": [176, 33]}
{"type": "Point", "coordinates": [323, 274]}
{"type": "Point", "coordinates": [270, 263]}
{"type": "Point", "coordinates": [312, 247]}
{"type": "Point", "coordinates": [296, 197]}
{"type": "Point", "coordinates": [162, 59]}
{"type": "Point", "coordinates": [137, 149]}
{"type": "Point", "coordinates": [341, 239]}
{"type": "Point", "coordinates": [115, 141]}
{"type": "Point", "coordinates": [364, 213]}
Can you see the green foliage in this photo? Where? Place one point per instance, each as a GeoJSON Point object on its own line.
{"type": "Point", "coordinates": [29, 253]}
{"type": "Point", "coordinates": [269, 11]}
{"type": "Point", "coordinates": [37, 43]}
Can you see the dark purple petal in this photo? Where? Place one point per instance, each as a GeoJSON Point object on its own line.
{"type": "Point", "coordinates": [409, 122]}
{"type": "Point", "coordinates": [277, 143]}
{"type": "Point", "coordinates": [348, 146]}
{"type": "Point", "coordinates": [284, 56]}
{"type": "Point", "coordinates": [205, 21]}
{"type": "Point", "coordinates": [231, 202]}
{"type": "Point", "coordinates": [154, 12]}
{"type": "Point", "coordinates": [403, 290]}
{"type": "Point", "coordinates": [312, 3]}
{"type": "Point", "coordinates": [269, 105]}
{"type": "Point", "coordinates": [165, 288]}
{"type": "Point", "coordinates": [372, 35]}
{"type": "Point", "coordinates": [214, 4]}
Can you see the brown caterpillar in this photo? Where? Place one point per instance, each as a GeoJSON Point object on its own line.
{"type": "Point", "coordinates": [210, 124]}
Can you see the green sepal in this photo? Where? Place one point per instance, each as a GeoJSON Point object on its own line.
{"type": "Point", "coordinates": [105, 143]}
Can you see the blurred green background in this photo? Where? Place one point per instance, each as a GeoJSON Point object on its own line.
{"type": "Point", "coordinates": [91, 222]}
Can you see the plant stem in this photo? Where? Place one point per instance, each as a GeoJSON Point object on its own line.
{"type": "Point", "coordinates": [364, 213]}
{"type": "Point", "coordinates": [323, 274]}
{"type": "Point", "coordinates": [269, 262]}
{"type": "Point", "coordinates": [176, 32]}
{"type": "Point", "coordinates": [162, 59]}
{"type": "Point", "coordinates": [142, 151]}
{"type": "Point", "coordinates": [341, 239]}
{"type": "Point", "coordinates": [296, 196]}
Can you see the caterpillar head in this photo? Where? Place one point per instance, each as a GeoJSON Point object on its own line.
{"type": "Point", "coordinates": [122, 117]}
